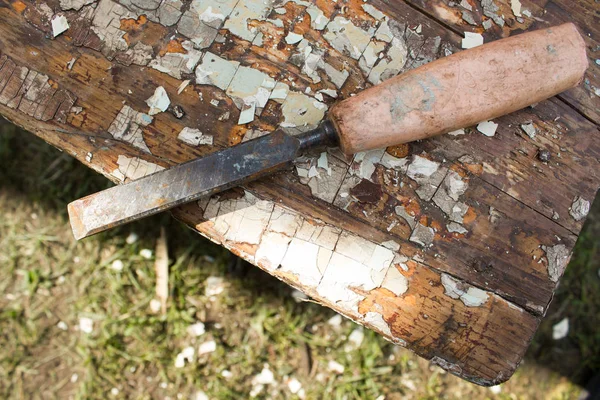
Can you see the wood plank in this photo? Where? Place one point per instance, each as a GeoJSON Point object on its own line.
{"type": "Point", "coordinates": [465, 287]}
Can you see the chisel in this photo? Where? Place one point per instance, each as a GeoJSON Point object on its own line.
{"type": "Point", "coordinates": [454, 92]}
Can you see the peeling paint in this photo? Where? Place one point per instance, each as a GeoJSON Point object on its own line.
{"type": "Point", "coordinates": [472, 40]}
{"type": "Point", "coordinates": [176, 64]}
{"type": "Point", "coordinates": [134, 168]}
{"type": "Point", "coordinates": [280, 92]}
{"type": "Point", "coordinates": [376, 320]}
{"type": "Point", "coordinates": [250, 87]}
{"type": "Point", "coordinates": [428, 174]}
{"type": "Point", "coordinates": [469, 295]}
{"type": "Point", "coordinates": [395, 282]}
{"type": "Point", "coordinates": [194, 137]}
{"type": "Point", "coordinates": [107, 25]}
{"type": "Point", "coordinates": [302, 111]}
{"type": "Point", "coordinates": [216, 71]}
{"type": "Point", "coordinates": [159, 101]}
{"type": "Point", "coordinates": [59, 25]}
{"type": "Point", "coordinates": [127, 126]}
{"type": "Point", "coordinates": [558, 258]}
{"type": "Point", "coordinates": [390, 64]}
{"type": "Point", "coordinates": [345, 37]}
{"type": "Point", "coordinates": [318, 21]}
{"type": "Point", "coordinates": [355, 263]}
{"type": "Point", "coordinates": [446, 198]}
{"type": "Point", "coordinates": [488, 128]}
{"type": "Point", "coordinates": [529, 129]}
{"type": "Point", "coordinates": [579, 209]}
{"type": "Point", "coordinates": [490, 10]}
{"type": "Point", "coordinates": [198, 26]}
{"type": "Point", "coordinates": [244, 12]}
{"type": "Point", "coordinates": [74, 4]}
{"type": "Point", "coordinates": [422, 235]}
{"type": "Point", "coordinates": [239, 220]}
{"type": "Point", "coordinates": [402, 212]}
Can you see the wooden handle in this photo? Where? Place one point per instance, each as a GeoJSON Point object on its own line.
{"type": "Point", "coordinates": [463, 89]}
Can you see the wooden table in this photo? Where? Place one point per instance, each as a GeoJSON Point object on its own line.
{"type": "Point", "coordinates": [451, 247]}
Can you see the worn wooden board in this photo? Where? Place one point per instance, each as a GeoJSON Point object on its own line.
{"type": "Point", "coordinates": [451, 247]}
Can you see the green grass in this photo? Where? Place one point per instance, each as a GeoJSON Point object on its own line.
{"type": "Point", "coordinates": [47, 278]}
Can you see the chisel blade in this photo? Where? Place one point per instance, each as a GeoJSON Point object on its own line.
{"type": "Point", "coordinates": [182, 184]}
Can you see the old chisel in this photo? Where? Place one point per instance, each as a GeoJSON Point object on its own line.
{"type": "Point", "coordinates": [454, 92]}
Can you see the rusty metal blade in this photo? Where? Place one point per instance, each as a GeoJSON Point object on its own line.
{"type": "Point", "coordinates": [181, 184]}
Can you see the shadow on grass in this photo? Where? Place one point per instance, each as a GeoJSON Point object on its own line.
{"type": "Point", "coordinates": [52, 179]}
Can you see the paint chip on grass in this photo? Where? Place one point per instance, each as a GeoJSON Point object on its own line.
{"type": "Point", "coordinates": [86, 325]}
{"type": "Point", "coordinates": [259, 381]}
{"type": "Point", "coordinates": [336, 367]}
{"type": "Point", "coordinates": [295, 387]}
{"type": "Point", "coordinates": [146, 253]}
{"type": "Point", "coordinates": [355, 339]}
{"type": "Point", "coordinates": [560, 330]}
{"type": "Point", "coordinates": [196, 329]}
{"type": "Point", "coordinates": [488, 128]}
{"type": "Point", "coordinates": [159, 101]}
{"type": "Point", "coordinates": [472, 40]}
{"type": "Point", "coordinates": [186, 354]}
{"type": "Point", "coordinates": [117, 265]}
{"type": "Point", "coordinates": [214, 286]}
{"type": "Point", "coordinates": [207, 347]}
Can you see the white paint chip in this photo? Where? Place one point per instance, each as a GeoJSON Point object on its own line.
{"type": "Point", "coordinates": [560, 330]}
{"type": "Point", "coordinates": [579, 209]}
{"type": "Point", "coordinates": [295, 386]}
{"type": "Point", "coordinates": [355, 339]}
{"type": "Point", "coordinates": [469, 295]}
{"type": "Point", "coordinates": [529, 129]}
{"type": "Point", "coordinates": [293, 38]}
{"type": "Point", "coordinates": [558, 257]}
{"type": "Point", "coordinates": [472, 40]}
{"type": "Point", "coordinates": [196, 329]}
{"type": "Point", "coordinates": [247, 113]}
{"type": "Point", "coordinates": [117, 265]}
{"type": "Point", "coordinates": [335, 367]}
{"type": "Point", "coordinates": [59, 25]}
{"type": "Point", "coordinates": [194, 137]}
{"type": "Point", "coordinates": [488, 128]}
{"type": "Point", "coordinates": [186, 354]}
{"type": "Point", "coordinates": [422, 167]}
{"type": "Point", "coordinates": [458, 132]}
{"type": "Point", "coordinates": [86, 325]}
{"type": "Point", "coordinates": [207, 347]}
{"type": "Point", "coordinates": [159, 101]}
{"type": "Point", "coordinates": [516, 7]}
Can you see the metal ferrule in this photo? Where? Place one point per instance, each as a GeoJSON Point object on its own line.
{"type": "Point", "coordinates": [324, 135]}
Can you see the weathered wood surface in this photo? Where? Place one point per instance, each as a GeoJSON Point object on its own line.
{"type": "Point", "coordinates": [451, 247]}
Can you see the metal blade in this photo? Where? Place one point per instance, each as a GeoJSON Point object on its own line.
{"type": "Point", "coordinates": [184, 183]}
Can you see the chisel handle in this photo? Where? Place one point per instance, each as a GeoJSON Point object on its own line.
{"type": "Point", "coordinates": [463, 89]}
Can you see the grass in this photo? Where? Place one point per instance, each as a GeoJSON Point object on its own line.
{"type": "Point", "coordinates": [49, 281]}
